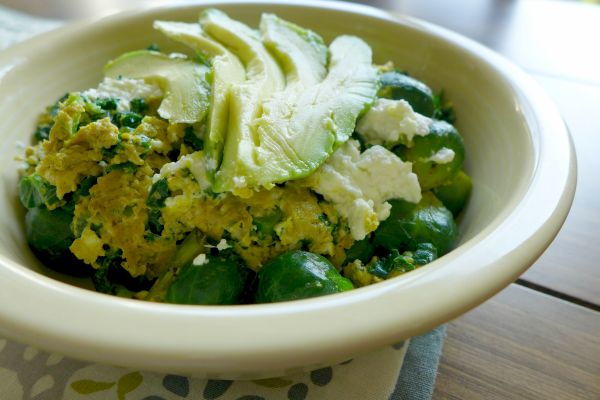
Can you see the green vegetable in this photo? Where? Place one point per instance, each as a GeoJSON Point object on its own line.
{"type": "Point", "coordinates": [102, 283]}
{"type": "Point", "coordinates": [431, 174]}
{"type": "Point", "coordinates": [298, 275]}
{"type": "Point", "coordinates": [383, 267]}
{"type": "Point", "coordinates": [42, 132]}
{"type": "Point", "coordinates": [138, 106]}
{"type": "Point", "coordinates": [424, 253]}
{"type": "Point", "coordinates": [443, 110]}
{"type": "Point", "coordinates": [395, 85]}
{"type": "Point", "coordinates": [361, 250]}
{"type": "Point", "coordinates": [129, 119]}
{"type": "Point", "coordinates": [186, 251]}
{"type": "Point", "coordinates": [111, 278]}
{"type": "Point", "coordinates": [153, 47]}
{"type": "Point", "coordinates": [396, 264]}
{"type": "Point", "coordinates": [187, 90]}
{"type": "Point", "coordinates": [227, 71]}
{"type": "Point", "coordinates": [265, 225]}
{"type": "Point", "coordinates": [455, 193]}
{"type": "Point", "coordinates": [305, 116]}
{"type": "Point", "coordinates": [49, 235]}
{"type": "Point", "coordinates": [159, 191]}
{"type": "Point", "coordinates": [411, 224]}
{"type": "Point", "coordinates": [219, 281]}
{"type": "Point", "coordinates": [192, 139]}
{"type": "Point", "coordinates": [107, 104]}
{"type": "Point", "coordinates": [35, 191]}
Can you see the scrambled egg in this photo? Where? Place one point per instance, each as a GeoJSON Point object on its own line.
{"type": "Point", "coordinates": [138, 191]}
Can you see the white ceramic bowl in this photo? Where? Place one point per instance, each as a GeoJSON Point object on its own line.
{"type": "Point", "coordinates": [518, 152]}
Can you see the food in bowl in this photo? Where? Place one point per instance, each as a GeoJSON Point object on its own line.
{"type": "Point", "coordinates": [263, 167]}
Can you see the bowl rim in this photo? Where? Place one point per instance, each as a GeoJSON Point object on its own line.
{"type": "Point", "coordinates": [303, 329]}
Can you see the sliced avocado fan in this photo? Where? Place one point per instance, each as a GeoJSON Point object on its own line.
{"type": "Point", "coordinates": [282, 102]}
{"type": "Point", "coordinates": [227, 71]}
{"type": "Point", "coordinates": [184, 82]}
{"type": "Point", "coordinates": [263, 78]}
{"type": "Point", "coordinates": [301, 125]}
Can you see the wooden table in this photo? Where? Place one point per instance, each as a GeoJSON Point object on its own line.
{"type": "Point", "coordinates": [540, 337]}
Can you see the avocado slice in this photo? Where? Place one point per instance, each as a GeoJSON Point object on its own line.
{"type": "Point", "coordinates": [263, 77]}
{"type": "Point", "coordinates": [227, 71]}
{"type": "Point", "coordinates": [184, 82]}
{"type": "Point", "coordinates": [303, 125]}
{"type": "Point", "coordinates": [301, 52]}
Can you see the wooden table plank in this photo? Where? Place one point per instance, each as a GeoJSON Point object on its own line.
{"type": "Point", "coordinates": [522, 345]}
{"type": "Point", "coordinates": [570, 265]}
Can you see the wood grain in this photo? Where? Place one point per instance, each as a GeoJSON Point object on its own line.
{"type": "Point", "coordinates": [570, 265]}
{"type": "Point", "coordinates": [566, 62]}
{"type": "Point", "coordinates": [522, 345]}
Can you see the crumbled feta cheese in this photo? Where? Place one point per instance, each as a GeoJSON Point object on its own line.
{"type": "Point", "coordinates": [195, 163]}
{"type": "Point", "coordinates": [392, 122]}
{"type": "Point", "coordinates": [125, 90]}
{"type": "Point", "coordinates": [442, 156]}
{"type": "Point", "coordinates": [359, 185]}
{"type": "Point", "coordinates": [239, 182]}
{"type": "Point", "coordinates": [200, 260]}
{"type": "Point", "coordinates": [223, 245]}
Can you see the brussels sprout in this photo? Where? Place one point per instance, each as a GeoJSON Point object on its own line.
{"type": "Point", "coordinates": [411, 224]}
{"type": "Point", "coordinates": [441, 139]}
{"type": "Point", "coordinates": [361, 250]}
{"type": "Point", "coordinates": [35, 191]}
{"type": "Point", "coordinates": [395, 85]}
{"type": "Point", "coordinates": [111, 277]}
{"type": "Point", "coordinates": [218, 281]}
{"type": "Point", "coordinates": [49, 235]}
{"type": "Point", "coordinates": [298, 275]}
{"type": "Point", "coordinates": [455, 193]}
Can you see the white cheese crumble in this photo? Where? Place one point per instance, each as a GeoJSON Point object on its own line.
{"type": "Point", "coordinates": [442, 156]}
{"type": "Point", "coordinates": [392, 122]}
{"type": "Point", "coordinates": [124, 89]}
{"type": "Point", "coordinates": [239, 182]}
{"type": "Point", "coordinates": [200, 260]}
{"type": "Point", "coordinates": [195, 163]}
{"type": "Point", "coordinates": [223, 245]}
{"type": "Point", "coordinates": [359, 185]}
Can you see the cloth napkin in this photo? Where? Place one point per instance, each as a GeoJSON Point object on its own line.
{"type": "Point", "coordinates": [404, 371]}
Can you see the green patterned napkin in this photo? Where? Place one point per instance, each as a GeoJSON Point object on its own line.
{"type": "Point", "coordinates": [403, 371]}
{"type": "Point", "coordinates": [400, 372]}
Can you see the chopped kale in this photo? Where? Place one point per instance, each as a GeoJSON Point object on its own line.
{"type": "Point", "coordinates": [35, 191]}
{"type": "Point", "coordinates": [191, 139]}
{"type": "Point", "coordinates": [156, 200]}
{"type": "Point", "coordinates": [108, 104]}
{"type": "Point", "coordinates": [101, 282]}
{"type": "Point", "coordinates": [153, 47]}
{"type": "Point", "coordinates": [154, 225]}
{"type": "Point", "coordinates": [42, 132]}
{"type": "Point", "coordinates": [442, 109]}
{"type": "Point", "coordinates": [138, 106]}
{"type": "Point", "coordinates": [265, 225]}
{"type": "Point", "coordinates": [129, 119]}
{"type": "Point", "coordinates": [158, 194]}
{"type": "Point", "coordinates": [395, 262]}
{"type": "Point", "coordinates": [53, 109]}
